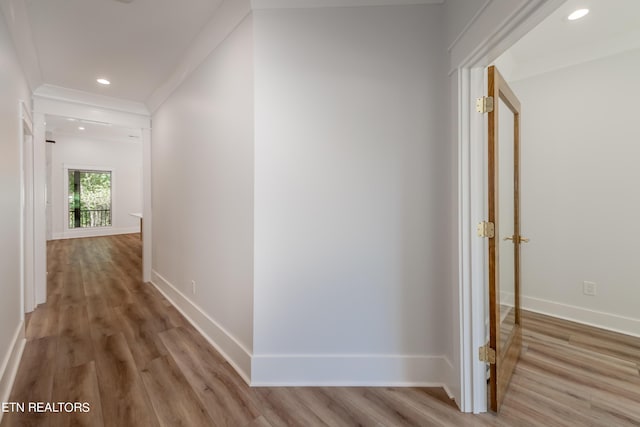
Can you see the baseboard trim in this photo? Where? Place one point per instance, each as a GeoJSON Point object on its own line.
{"type": "Point", "coordinates": [11, 363]}
{"type": "Point", "coordinates": [599, 319]}
{"type": "Point", "coordinates": [451, 382]}
{"type": "Point", "coordinates": [95, 232]}
{"type": "Point", "coordinates": [350, 370]}
{"type": "Point", "coordinates": [234, 352]}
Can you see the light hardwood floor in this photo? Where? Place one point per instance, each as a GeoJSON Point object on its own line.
{"type": "Point", "coordinates": [106, 338]}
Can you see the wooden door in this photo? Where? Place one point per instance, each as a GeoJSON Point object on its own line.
{"type": "Point", "coordinates": [505, 330]}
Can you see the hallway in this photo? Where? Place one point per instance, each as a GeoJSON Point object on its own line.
{"type": "Point", "coordinates": [106, 338]}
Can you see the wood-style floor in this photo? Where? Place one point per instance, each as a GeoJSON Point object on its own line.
{"type": "Point", "coordinates": [108, 339]}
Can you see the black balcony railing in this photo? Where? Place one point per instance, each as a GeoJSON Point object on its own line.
{"type": "Point", "coordinates": [84, 218]}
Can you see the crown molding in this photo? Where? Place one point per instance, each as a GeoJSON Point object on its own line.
{"type": "Point", "coordinates": [58, 93]}
{"type": "Point", "coordinates": [301, 4]}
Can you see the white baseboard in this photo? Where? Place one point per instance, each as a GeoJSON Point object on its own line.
{"type": "Point", "coordinates": [451, 382]}
{"type": "Point", "coordinates": [612, 322]}
{"type": "Point", "coordinates": [95, 232]}
{"type": "Point", "coordinates": [223, 341]}
{"type": "Point", "coordinates": [10, 364]}
{"type": "Point", "coordinates": [350, 370]}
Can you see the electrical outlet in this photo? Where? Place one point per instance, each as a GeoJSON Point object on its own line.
{"type": "Point", "coordinates": [193, 287]}
{"type": "Point", "coordinates": [589, 288]}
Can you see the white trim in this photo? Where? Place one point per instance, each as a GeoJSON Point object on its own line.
{"type": "Point", "coordinates": [147, 220]}
{"type": "Point", "coordinates": [472, 51]}
{"type": "Point", "coordinates": [225, 343]}
{"type": "Point", "coordinates": [27, 287]}
{"type": "Point", "coordinates": [298, 4]}
{"type": "Point", "coordinates": [95, 232]}
{"type": "Point", "coordinates": [370, 370]}
{"type": "Point", "coordinates": [10, 364]}
{"type": "Point", "coordinates": [225, 20]}
{"type": "Point", "coordinates": [598, 319]}
{"type": "Point", "coordinates": [64, 94]}
{"type": "Point", "coordinates": [80, 109]}
{"type": "Point", "coordinates": [469, 24]}
{"type": "Point", "coordinates": [83, 111]}
{"type": "Point", "coordinates": [39, 208]}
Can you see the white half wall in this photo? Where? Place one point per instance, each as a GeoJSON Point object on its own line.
{"type": "Point", "coordinates": [351, 233]}
{"type": "Point", "coordinates": [125, 160]}
{"type": "Point", "coordinates": [580, 198]}
{"type": "Point", "coordinates": [202, 178]}
{"type": "Point", "coordinates": [14, 88]}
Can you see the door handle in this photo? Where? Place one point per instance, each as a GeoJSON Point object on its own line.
{"type": "Point", "coordinates": [521, 239]}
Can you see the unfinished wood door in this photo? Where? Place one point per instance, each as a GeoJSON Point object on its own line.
{"type": "Point", "coordinates": [505, 331]}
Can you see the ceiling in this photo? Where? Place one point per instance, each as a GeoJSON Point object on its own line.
{"type": "Point", "coordinates": [68, 126]}
{"type": "Point", "coordinates": [611, 27]}
{"type": "Point", "coordinates": [136, 45]}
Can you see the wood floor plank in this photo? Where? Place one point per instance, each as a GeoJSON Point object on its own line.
{"type": "Point", "coordinates": [124, 399]}
{"type": "Point", "coordinates": [34, 382]}
{"type": "Point", "coordinates": [72, 288]}
{"type": "Point", "coordinates": [43, 322]}
{"type": "Point", "coordinates": [436, 412]}
{"type": "Point", "coordinates": [141, 332]}
{"type": "Point", "coordinates": [78, 385]}
{"type": "Point", "coordinates": [228, 400]}
{"type": "Point", "coordinates": [173, 399]}
{"type": "Point", "coordinates": [259, 422]}
{"type": "Point", "coordinates": [101, 317]}
{"type": "Point", "coordinates": [281, 407]}
{"type": "Point", "coordinates": [107, 337]}
{"type": "Point", "coordinates": [327, 409]}
{"type": "Point", "coordinates": [75, 346]}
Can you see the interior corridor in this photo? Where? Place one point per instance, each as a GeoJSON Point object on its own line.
{"type": "Point", "coordinates": [108, 339]}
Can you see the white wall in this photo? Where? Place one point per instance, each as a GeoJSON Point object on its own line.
{"type": "Point", "coordinates": [580, 198]}
{"type": "Point", "coordinates": [202, 178]}
{"type": "Point", "coordinates": [14, 88]}
{"type": "Point", "coordinates": [351, 232]}
{"type": "Point", "coordinates": [125, 159]}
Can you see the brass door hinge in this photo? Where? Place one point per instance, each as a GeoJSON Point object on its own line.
{"type": "Point", "coordinates": [484, 104]}
{"type": "Point", "coordinates": [486, 229]}
{"type": "Point", "coordinates": [487, 354]}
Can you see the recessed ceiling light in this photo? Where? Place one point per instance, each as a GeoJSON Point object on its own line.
{"type": "Point", "coordinates": [577, 14]}
{"type": "Point", "coordinates": [80, 127]}
{"type": "Point", "coordinates": [103, 81]}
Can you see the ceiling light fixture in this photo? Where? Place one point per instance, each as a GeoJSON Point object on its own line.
{"type": "Point", "coordinates": [103, 81]}
{"type": "Point", "coordinates": [80, 127]}
{"type": "Point", "coordinates": [577, 14]}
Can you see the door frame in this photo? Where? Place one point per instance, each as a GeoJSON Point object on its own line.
{"type": "Point", "coordinates": [54, 104]}
{"type": "Point", "coordinates": [27, 270]}
{"type": "Point", "coordinates": [472, 155]}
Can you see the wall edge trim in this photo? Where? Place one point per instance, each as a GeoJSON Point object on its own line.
{"type": "Point", "coordinates": [106, 231]}
{"type": "Point", "coordinates": [595, 318]}
{"type": "Point", "coordinates": [11, 363]}
{"type": "Point", "coordinates": [373, 370]}
{"type": "Point", "coordinates": [224, 342]}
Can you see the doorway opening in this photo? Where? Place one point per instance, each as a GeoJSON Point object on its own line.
{"type": "Point", "coordinates": [541, 220]}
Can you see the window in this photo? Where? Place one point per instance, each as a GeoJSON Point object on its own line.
{"type": "Point", "coordinates": [89, 198]}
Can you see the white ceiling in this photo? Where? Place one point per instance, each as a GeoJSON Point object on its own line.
{"type": "Point", "coordinates": [135, 45]}
{"type": "Point", "coordinates": [69, 126]}
{"type": "Point", "coordinates": [611, 27]}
